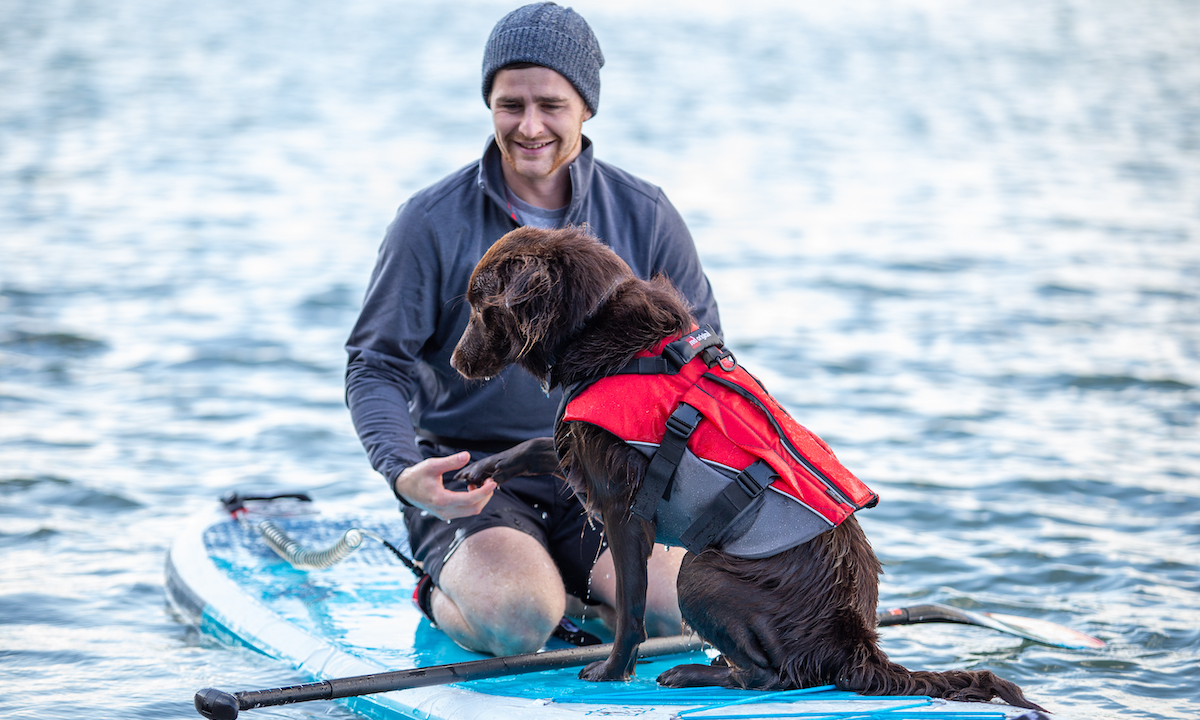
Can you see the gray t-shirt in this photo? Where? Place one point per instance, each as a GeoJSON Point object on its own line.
{"type": "Point", "coordinates": [534, 216]}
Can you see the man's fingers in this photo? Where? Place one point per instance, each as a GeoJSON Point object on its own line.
{"type": "Point", "coordinates": [470, 496]}
{"type": "Point", "coordinates": [442, 465]}
{"type": "Point", "coordinates": [466, 503]}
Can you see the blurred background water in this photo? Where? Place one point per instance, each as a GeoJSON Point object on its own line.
{"type": "Point", "coordinates": [959, 240]}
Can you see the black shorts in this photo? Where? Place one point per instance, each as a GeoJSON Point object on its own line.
{"type": "Point", "coordinates": [541, 506]}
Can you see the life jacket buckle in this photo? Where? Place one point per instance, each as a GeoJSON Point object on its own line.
{"type": "Point", "coordinates": [756, 478]}
{"type": "Point", "coordinates": [684, 420]}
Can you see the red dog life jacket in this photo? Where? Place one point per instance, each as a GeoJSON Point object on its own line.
{"type": "Point", "coordinates": [729, 467]}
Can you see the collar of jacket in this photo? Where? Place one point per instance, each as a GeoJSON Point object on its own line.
{"type": "Point", "coordinates": [491, 179]}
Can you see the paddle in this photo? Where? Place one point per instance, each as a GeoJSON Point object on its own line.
{"type": "Point", "coordinates": [220, 705]}
{"type": "Point", "coordinates": [1041, 631]}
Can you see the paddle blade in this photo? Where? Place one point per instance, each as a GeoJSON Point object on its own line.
{"type": "Point", "coordinates": [1041, 631]}
{"type": "Point", "coordinates": [1046, 632]}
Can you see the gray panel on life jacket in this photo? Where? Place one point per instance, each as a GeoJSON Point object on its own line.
{"type": "Point", "coordinates": [770, 524]}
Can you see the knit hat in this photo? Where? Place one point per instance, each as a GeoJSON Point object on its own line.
{"type": "Point", "coordinates": [549, 35]}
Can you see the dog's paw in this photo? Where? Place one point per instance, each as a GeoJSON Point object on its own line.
{"type": "Point", "coordinates": [490, 467]}
{"type": "Point", "coordinates": [695, 676]}
{"type": "Point", "coordinates": [603, 671]}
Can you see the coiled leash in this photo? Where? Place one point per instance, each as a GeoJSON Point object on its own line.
{"type": "Point", "coordinates": [302, 558]}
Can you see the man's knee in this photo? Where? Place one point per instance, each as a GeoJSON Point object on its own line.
{"type": "Point", "coordinates": [663, 621]}
{"type": "Point", "coordinates": [507, 590]}
{"type": "Point", "coordinates": [662, 600]}
{"type": "Point", "coordinates": [524, 628]}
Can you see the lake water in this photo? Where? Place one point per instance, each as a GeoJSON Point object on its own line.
{"type": "Point", "coordinates": [959, 240]}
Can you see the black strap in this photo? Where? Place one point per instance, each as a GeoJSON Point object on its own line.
{"type": "Point", "coordinates": [724, 509]}
{"type": "Point", "coordinates": [655, 365]}
{"type": "Point", "coordinates": [657, 483]}
{"type": "Point", "coordinates": [676, 354]}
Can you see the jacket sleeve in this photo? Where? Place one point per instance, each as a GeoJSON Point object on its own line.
{"type": "Point", "coordinates": [675, 256]}
{"type": "Point", "coordinates": [399, 315]}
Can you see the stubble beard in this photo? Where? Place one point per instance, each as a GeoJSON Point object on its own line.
{"type": "Point", "coordinates": [559, 159]}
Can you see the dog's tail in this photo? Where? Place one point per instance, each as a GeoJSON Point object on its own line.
{"type": "Point", "coordinates": [880, 676]}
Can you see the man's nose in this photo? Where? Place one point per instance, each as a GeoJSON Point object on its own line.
{"type": "Point", "coordinates": [531, 123]}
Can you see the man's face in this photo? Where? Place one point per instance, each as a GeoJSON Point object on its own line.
{"type": "Point", "coordinates": [538, 116]}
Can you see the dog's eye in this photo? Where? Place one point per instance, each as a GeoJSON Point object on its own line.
{"type": "Point", "coordinates": [487, 316]}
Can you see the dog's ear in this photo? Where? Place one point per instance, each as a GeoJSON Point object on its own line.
{"type": "Point", "coordinates": [528, 293]}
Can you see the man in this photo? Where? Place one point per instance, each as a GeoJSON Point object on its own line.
{"type": "Point", "coordinates": [503, 561]}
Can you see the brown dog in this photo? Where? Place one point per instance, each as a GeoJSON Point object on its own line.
{"type": "Point", "coordinates": [564, 307]}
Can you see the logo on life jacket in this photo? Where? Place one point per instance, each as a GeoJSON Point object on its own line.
{"type": "Point", "coordinates": [696, 339]}
{"type": "Point", "coordinates": [729, 467]}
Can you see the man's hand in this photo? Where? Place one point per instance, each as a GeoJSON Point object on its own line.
{"type": "Point", "coordinates": [422, 486]}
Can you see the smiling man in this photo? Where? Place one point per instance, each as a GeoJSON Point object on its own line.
{"type": "Point", "coordinates": [504, 563]}
{"type": "Point", "coordinates": [539, 118]}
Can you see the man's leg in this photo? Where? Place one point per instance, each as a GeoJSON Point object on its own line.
{"type": "Point", "coordinates": [662, 600]}
{"type": "Point", "coordinates": [500, 593]}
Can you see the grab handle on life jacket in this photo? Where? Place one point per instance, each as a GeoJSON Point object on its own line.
{"type": "Point", "coordinates": [728, 506]}
{"type": "Point", "coordinates": [681, 351]}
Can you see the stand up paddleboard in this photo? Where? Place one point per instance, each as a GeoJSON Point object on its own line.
{"type": "Point", "coordinates": [356, 619]}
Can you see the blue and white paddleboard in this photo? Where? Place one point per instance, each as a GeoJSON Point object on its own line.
{"type": "Point", "coordinates": [356, 618]}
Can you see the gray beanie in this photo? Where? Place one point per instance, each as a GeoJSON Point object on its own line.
{"type": "Point", "coordinates": [551, 36]}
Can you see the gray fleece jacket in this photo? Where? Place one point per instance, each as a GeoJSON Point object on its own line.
{"type": "Point", "coordinates": [399, 382]}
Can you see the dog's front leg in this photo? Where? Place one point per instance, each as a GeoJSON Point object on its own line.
{"type": "Point", "coordinates": [532, 457]}
{"type": "Point", "coordinates": [630, 540]}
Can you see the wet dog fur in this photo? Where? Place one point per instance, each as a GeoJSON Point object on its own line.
{"type": "Point", "coordinates": [563, 306]}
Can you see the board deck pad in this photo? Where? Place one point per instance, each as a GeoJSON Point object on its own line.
{"type": "Point", "coordinates": [357, 617]}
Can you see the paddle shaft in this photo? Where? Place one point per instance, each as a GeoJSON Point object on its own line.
{"type": "Point", "coordinates": [220, 705]}
{"type": "Point", "coordinates": [923, 614]}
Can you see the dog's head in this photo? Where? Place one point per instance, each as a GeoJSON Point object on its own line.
{"type": "Point", "coordinates": [532, 291]}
